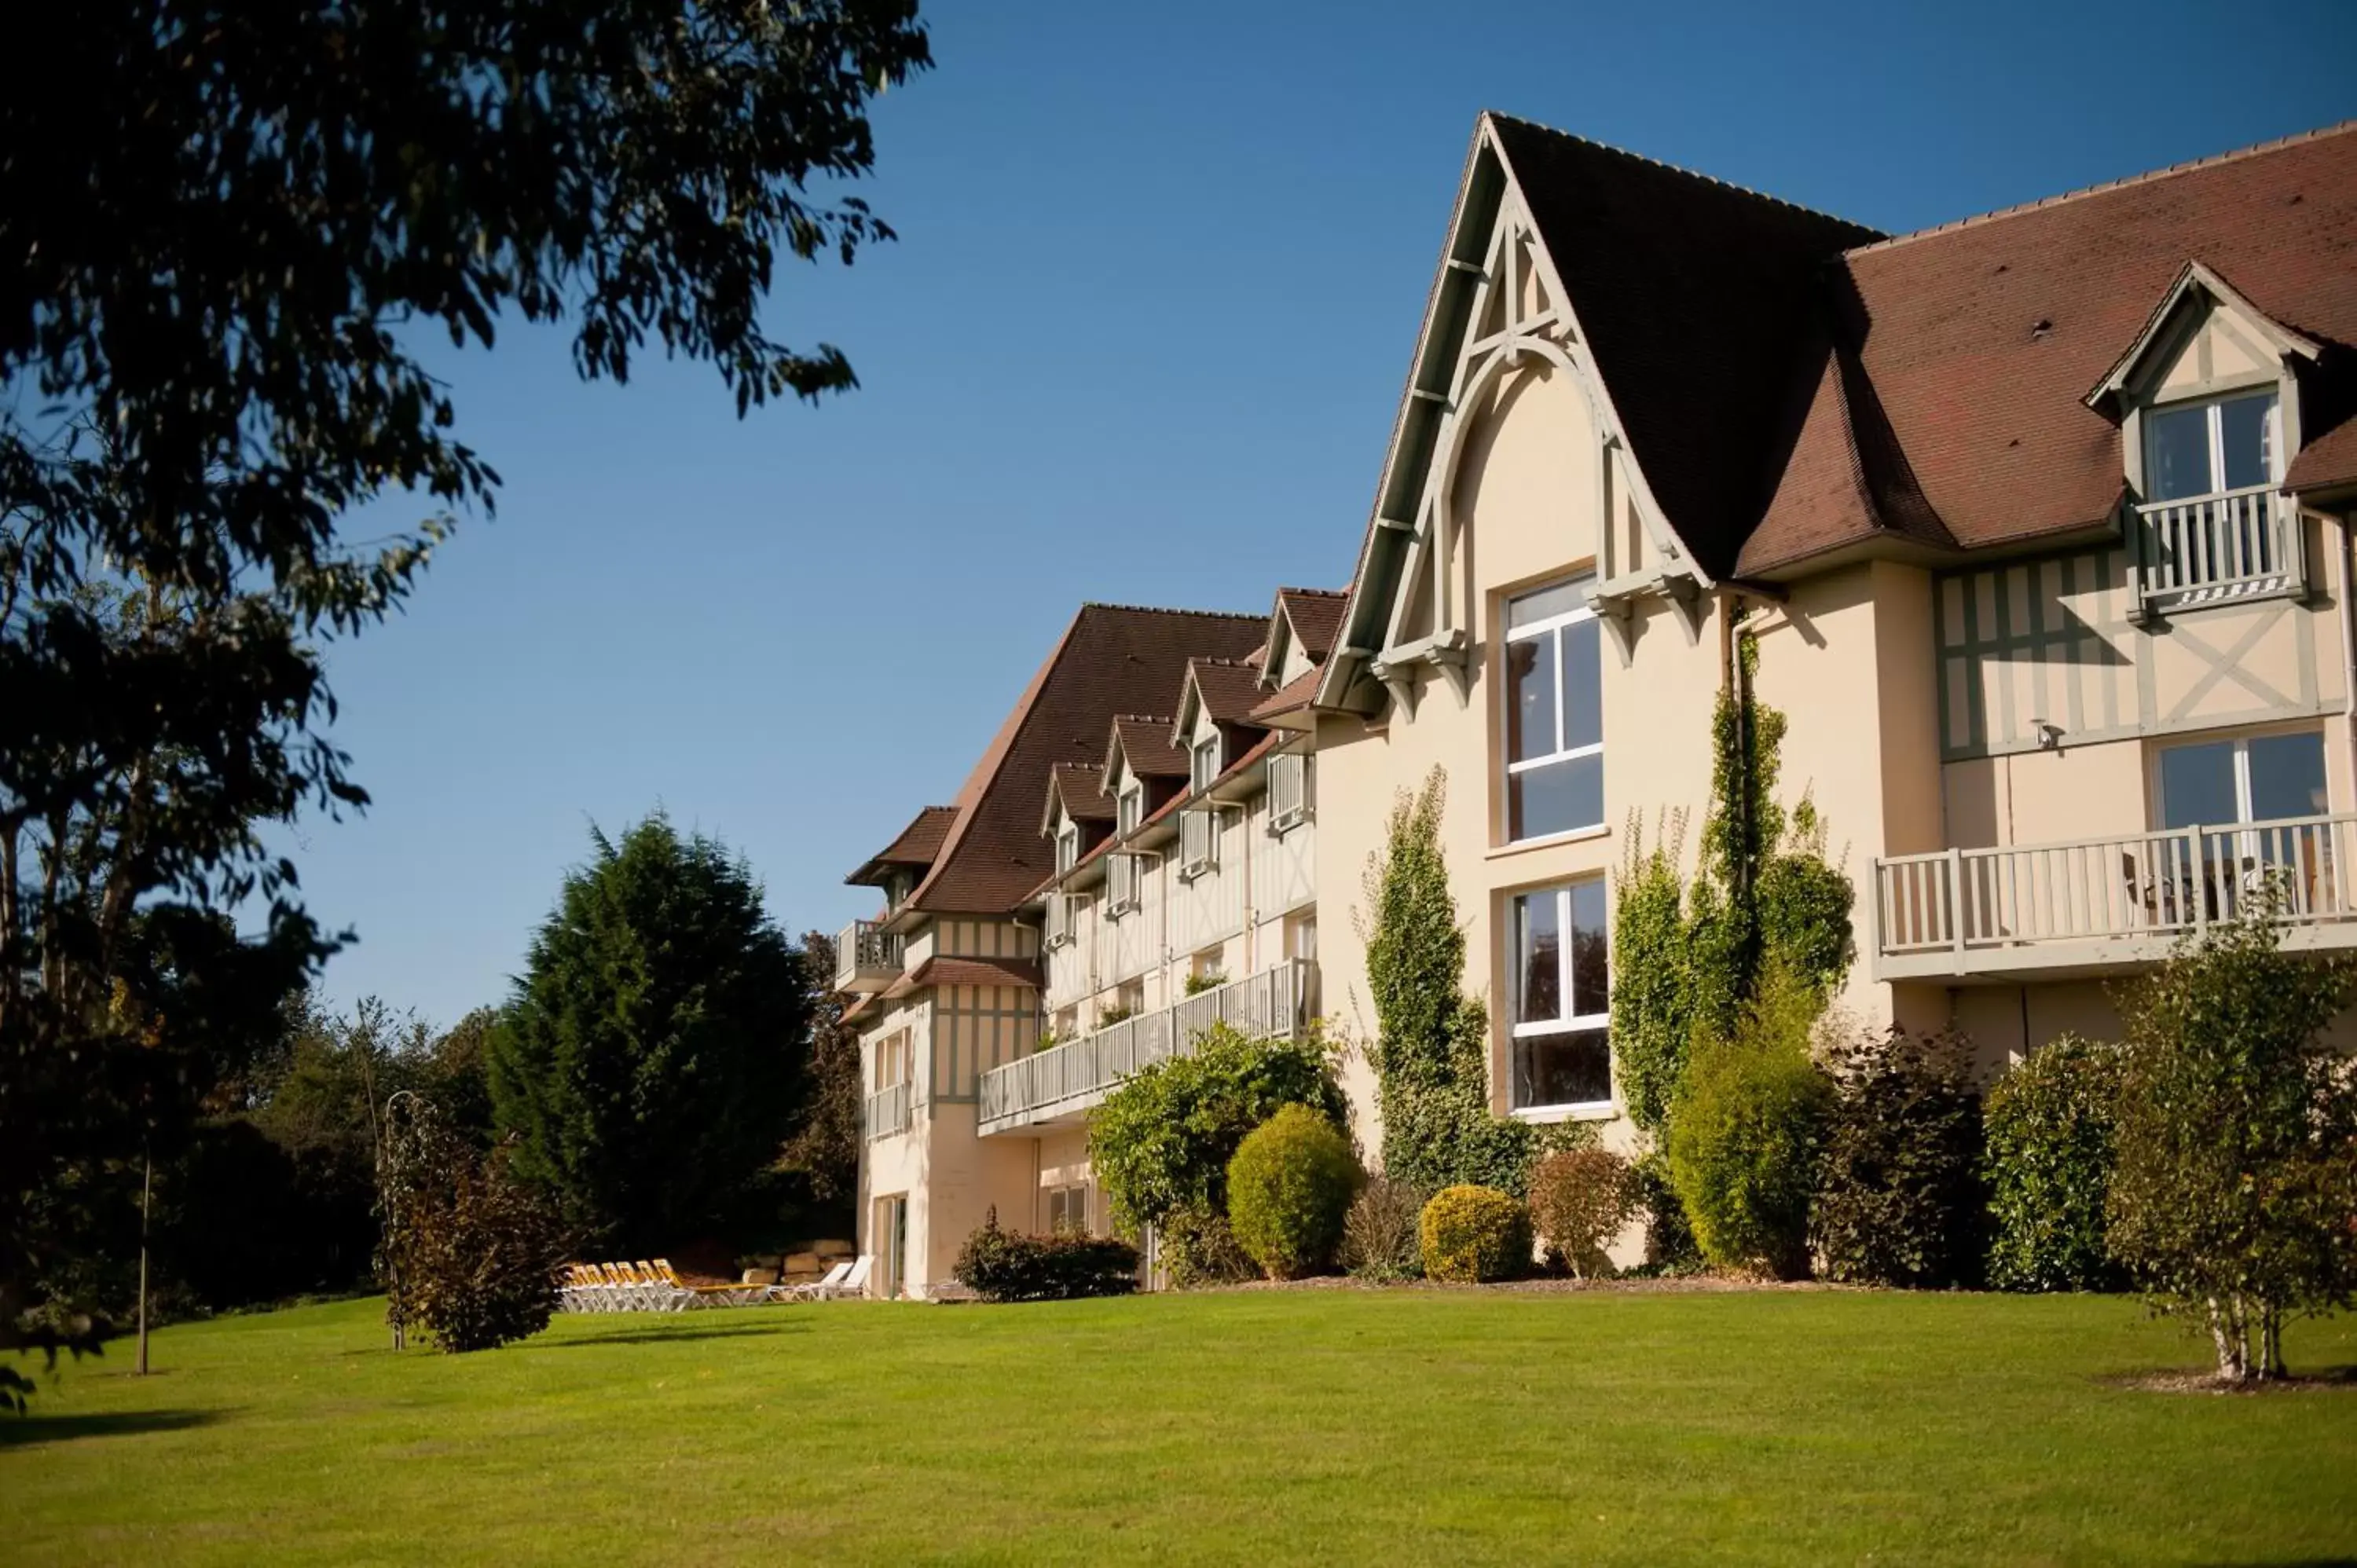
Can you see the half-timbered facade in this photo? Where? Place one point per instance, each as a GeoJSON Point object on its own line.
{"type": "Point", "coordinates": [2040, 521]}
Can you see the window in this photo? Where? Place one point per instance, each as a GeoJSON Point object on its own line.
{"type": "Point", "coordinates": [1199, 844]}
{"type": "Point", "coordinates": [1068, 848]}
{"type": "Point", "coordinates": [1563, 1011]}
{"type": "Point", "coordinates": [1555, 702]}
{"type": "Point", "coordinates": [1131, 809]}
{"type": "Point", "coordinates": [1204, 766]}
{"type": "Point", "coordinates": [1288, 792]}
{"type": "Point", "coordinates": [1301, 936]}
{"type": "Point", "coordinates": [1064, 917]}
{"type": "Point", "coordinates": [1120, 884]}
{"type": "Point", "coordinates": [2251, 779]}
{"type": "Point", "coordinates": [2208, 448]}
{"type": "Point", "coordinates": [1067, 1210]}
{"type": "Point", "coordinates": [1207, 969]}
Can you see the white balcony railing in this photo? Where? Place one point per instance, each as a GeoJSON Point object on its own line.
{"type": "Point", "coordinates": [866, 959]}
{"type": "Point", "coordinates": [2092, 903]}
{"type": "Point", "coordinates": [2224, 546]}
{"type": "Point", "coordinates": [1059, 1083]}
{"type": "Point", "coordinates": [890, 1109]}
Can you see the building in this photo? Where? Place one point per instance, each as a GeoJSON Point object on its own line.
{"type": "Point", "coordinates": [2041, 522]}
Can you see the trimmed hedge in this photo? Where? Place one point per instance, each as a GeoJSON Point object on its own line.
{"type": "Point", "coordinates": [999, 1266]}
{"type": "Point", "coordinates": [1288, 1188]}
{"type": "Point", "coordinates": [1899, 1198]}
{"type": "Point", "coordinates": [1475, 1234]}
{"type": "Point", "coordinates": [2049, 1124]}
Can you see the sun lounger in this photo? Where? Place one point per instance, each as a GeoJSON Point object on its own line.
{"type": "Point", "coordinates": [841, 1284]}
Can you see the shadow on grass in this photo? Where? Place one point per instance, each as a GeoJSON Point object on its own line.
{"type": "Point", "coordinates": [2206, 1382]}
{"type": "Point", "coordinates": [2287, 1563]}
{"type": "Point", "coordinates": [651, 1335]}
{"type": "Point", "coordinates": [24, 1431]}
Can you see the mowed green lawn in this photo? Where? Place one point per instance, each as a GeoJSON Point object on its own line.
{"type": "Point", "coordinates": [1338, 1426]}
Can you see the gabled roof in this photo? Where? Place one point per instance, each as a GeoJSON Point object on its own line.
{"type": "Point", "coordinates": [1697, 298]}
{"type": "Point", "coordinates": [2194, 282]}
{"type": "Point", "coordinates": [915, 847]}
{"type": "Point", "coordinates": [1980, 340]}
{"type": "Point", "coordinates": [1144, 745]}
{"type": "Point", "coordinates": [1112, 658]}
{"type": "Point", "coordinates": [1079, 789]}
{"type": "Point", "coordinates": [1315, 615]}
{"type": "Point", "coordinates": [1227, 689]}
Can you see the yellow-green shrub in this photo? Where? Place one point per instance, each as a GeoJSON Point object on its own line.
{"type": "Point", "coordinates": [1475, 1233]}
{"type": "Point", "coordinates": [1288, 1188]}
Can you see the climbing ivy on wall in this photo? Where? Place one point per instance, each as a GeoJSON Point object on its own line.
{"type": "Point", "coordinates": [1431, 1053]}
{"type": "Point", "coordinates": [1686, 956]}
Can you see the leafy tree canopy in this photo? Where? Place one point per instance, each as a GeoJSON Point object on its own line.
{"type": "Point", "coordinates": [226, 226]}
{"type": "Point", "coordinates": [651, 1061]}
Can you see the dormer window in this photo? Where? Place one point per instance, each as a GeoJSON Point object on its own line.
{"type": "Point", "coordinates": [1203, 765]}
{"type": "Point", "coordinates": [1130, 810]}
{"type": "Point", "coordinates": [2212, 526]}
{"type": "Point", "coordinates": [2210, 447]}
{"type": "Point", "coordinates": [1067, 848]}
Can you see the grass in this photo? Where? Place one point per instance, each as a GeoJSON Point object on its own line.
{"type": "Point", "coordinates": [1340, 1425]}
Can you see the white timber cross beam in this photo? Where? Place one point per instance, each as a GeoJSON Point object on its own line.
{"type": "Point", "coordinates": [1519, 315]}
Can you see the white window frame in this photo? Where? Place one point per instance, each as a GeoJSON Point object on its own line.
{"type": "Point", "coordinates": [1571, 1024]}
{"type": "Point", "coordinates": [1063, 919]}
{"type": "Point", "coordinates": [1552, 628]}
{"type": "Point", "coordinates": [2214, 424]}
{"type": "Point", "coordinates": [1288, 792]}
{"type": "Point", "coordinates": [2241, 742]}
{"type": "Point", "coordinates": [1199, 844]}
{"type": "Point", "coordinates": [1129, 809]}
{"type": "Point", "coordinates": [1068, 848]}
{"type": "Point", "coordinates": [1124, 878]}
{"type": "Point", "coordinates": [1203, 763]}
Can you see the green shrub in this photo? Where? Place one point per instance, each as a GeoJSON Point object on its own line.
{"type": "Point", "coordinates": [1746, 1132]}
{"type": "Point", "coordinates": [1431, 1050]}
{"type": "Point", "coordinates": [1581, 1199]}
{"type": "Point", "coordinates": [2235, 1173]}
{"type": "Point", "coordinates": [2048, 1168]}
{"type": "Point", "coordinates": [1199, 1249]}
{"type": "Point", "coordinates": [1474, 1234]}
{"type": "Point", "coordinates": [1288, 1188]}
{"type": "Point", "coordinates": [1379, 1231]}
{"type": "Point", "coordinates": [1899, 1200]}
{"type": "Point", "coordinates": [1161, 1142]}
{"type": "Point", "coordinates": [999, 1265]}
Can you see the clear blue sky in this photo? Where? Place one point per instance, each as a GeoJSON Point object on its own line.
{"type": "Point", "coordinates": [1158, 277]}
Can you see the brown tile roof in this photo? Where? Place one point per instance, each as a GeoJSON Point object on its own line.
{"type": "Point", "coordinates": [1697, 299]}
{"type": "Point", "coordinates": [1317, 618]}
{"type": "Point", "coordinates": [1146, 746]}
{"type": "Point", "coordinates": [1966, 349]}
{"type": "Point", "coordinates": [1113, 658]}
{"type": "Point", "coordinates": [1112, 843]}
{"type": "Point", "coordinates": [1079, 788]}
{"type": "Point", "coordinates": [1228, 688]}
{"type": "Point", "coordinates": [917, 844]}
{"type": "Point", "coordinates": [941, 971]}
{"type": "Point", "coordinates": [1297, 693]}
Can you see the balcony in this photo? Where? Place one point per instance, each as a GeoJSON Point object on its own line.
{"type": "Point", "coordinates": [2102, 905]}
{"type": "Point", "coordinates": [1057, 1087]}
{"type": "Point", "coordinates": [866, 959]}
{"type": "Point", "coordinates": [2204, 549]}
{"type": "Point", "coordinates": [890, 1111]}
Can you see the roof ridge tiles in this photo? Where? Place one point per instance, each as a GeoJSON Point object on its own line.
{"type": "Point", "coordinates": [1173, 610]}
{"type": "Point", "coordinates": [1695, 175]}
{"type": "Point", "coordinates": [1974, 221]}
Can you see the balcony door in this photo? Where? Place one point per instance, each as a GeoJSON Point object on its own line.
{"type": "Point", "coordinates": [2231, 785]}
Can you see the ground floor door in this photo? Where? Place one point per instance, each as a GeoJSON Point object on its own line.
{"type": "Point", "coordinates": [892, 1245]}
